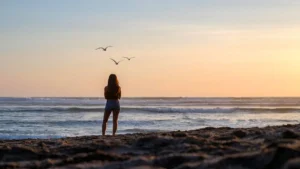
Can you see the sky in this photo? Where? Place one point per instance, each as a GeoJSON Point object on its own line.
{"type": "Point", "coordinates": [191, 48]}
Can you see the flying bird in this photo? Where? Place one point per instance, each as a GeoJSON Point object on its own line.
{"type": "Point", "coordinates": [128, 58]}
{"type": "Point", "coordinates": [104, 49]}
{"type": "Point", "coordinates": [116, 61]}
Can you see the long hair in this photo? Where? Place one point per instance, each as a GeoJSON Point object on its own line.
{"type": "Point", "coordinates": [113, 83]}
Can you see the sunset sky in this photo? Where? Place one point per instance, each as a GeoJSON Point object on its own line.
{"type": "Point", "coordinates": [196, 48]}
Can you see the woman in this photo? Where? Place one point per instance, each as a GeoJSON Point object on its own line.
{"type": "Point", "coordinates": [112, 93]}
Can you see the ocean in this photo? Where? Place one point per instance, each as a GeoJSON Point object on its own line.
{"type": "Point", "coordinates": [22, 118]}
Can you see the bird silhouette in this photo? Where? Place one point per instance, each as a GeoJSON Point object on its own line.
{"type": "Point", "coordinates": [104, 49]}
{"type": "Point", "coordinates": [129, 58]}
{"type": "Point", "coordinates": [116, 61]}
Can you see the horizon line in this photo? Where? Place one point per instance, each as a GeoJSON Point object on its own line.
{"type": "Point", "coordinates": [152, 97]}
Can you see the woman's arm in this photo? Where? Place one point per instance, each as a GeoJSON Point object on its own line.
{"type": "Point", "coordinates": [120, 94]}
{"type": "Point", "coordinates": [105, 92]}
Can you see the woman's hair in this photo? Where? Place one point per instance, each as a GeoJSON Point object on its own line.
{"type": "Point", "coordinates": [113, 83]}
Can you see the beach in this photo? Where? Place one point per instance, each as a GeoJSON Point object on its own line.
{"type": "Point", "coordinates": [276, 147]}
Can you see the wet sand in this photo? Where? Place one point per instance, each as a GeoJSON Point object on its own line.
{"type": "Point", "coordinates": [276, 147]}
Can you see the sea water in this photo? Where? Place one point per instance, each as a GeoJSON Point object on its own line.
{"type": "Point", "coordinates": [68, 117]}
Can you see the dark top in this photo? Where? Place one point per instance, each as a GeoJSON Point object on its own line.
{"type": "Point", "coordinates": [112, 94]}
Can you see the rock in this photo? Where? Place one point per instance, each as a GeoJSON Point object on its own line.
{"type": "Point", "coordinates": [239, 133]}
{"type": "Point", "coordinates": [254, 160]}
{"type": "Point", "coordinates": [179, 134]}
{"type": "Point", "coordinates": [292, 164]}
{"type": "Point", "coordinates": [146, 167]}
{"type": "Point", "coordinates": [284, 153]}
{"type": "Point", "coordinates": [133, 163]}
{"type": "Point", "coordinates": [20, 153]}
{"type": "Point", "coordinates": [175, 160]}
{"type": "Point", "coordinates": [154, 142]}
{"type": "Point", "coordinates": [289, 134]}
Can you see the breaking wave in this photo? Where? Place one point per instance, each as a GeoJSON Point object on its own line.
{"type": "Point", "coordinates": [150, 110]}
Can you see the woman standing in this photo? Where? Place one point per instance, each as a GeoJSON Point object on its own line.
{"type": "Point", "coordinates": [112, 93]}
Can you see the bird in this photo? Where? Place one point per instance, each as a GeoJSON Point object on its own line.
{"type": "Point", "coordinates": [116, 61]}
{"type": "Point", "coordinates": [104, 49]}
{"type": "Point", "coordinates": [129, 58]}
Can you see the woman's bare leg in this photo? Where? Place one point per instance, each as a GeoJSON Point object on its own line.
{"type": "Point", "coordinates": [105, 119]}
{"type": "Point", "coordinates": [115, 121]}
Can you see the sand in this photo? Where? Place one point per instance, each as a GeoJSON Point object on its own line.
{"type": "Point", "coordinates": [276, 147]}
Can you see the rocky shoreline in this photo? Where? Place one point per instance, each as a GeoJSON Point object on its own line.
{"type": "Point", "coordinates": [276, 147]}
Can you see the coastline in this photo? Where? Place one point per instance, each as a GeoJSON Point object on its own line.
{"type": "Point", "coordinates": [234, 148]}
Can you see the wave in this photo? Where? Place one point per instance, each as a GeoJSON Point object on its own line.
{"type": "Point", "coordinates": [65, 123]}
{"type": "Point", "coordinates": [51, 109]}
{"type": "Point", "coordinates": [149, 110]}
{"type": "Point", "coordinates": [154, 101]}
